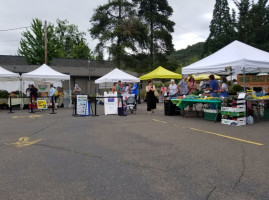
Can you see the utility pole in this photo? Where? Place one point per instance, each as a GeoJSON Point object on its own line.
{"type": "Point", "coordinates": [46, 49]}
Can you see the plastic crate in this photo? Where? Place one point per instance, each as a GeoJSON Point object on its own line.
{"type": "Point", "coordinates": [234, 114]}
{"type": "Point", "coordinates": [231, 109]}
{"type": "Point", "coordinates": [266, 113]}
{"type": "Point", "coordinates": [211, 116]}
{"type": "Point", "coordinates": [239, 122]}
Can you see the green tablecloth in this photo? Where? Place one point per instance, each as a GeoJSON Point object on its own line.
{"type": "Point", "coordinates": [183, 103]}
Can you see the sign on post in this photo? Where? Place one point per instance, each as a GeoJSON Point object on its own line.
{"type": "Point", "coordinates": [111, 104]}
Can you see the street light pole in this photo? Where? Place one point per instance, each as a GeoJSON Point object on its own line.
{"type": "Point", "coordinates": [89, 77]}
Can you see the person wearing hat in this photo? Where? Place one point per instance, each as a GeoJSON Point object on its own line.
{"type": "Point", "coordinates": [172, 89]}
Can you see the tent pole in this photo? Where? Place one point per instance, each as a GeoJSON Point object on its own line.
{"type": "Point", "coordinates": [21, 93]}
{"type": "Point", "coordinates": [244, 78]}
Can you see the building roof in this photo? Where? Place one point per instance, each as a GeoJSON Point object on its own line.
{"type": "Point", "coordinates": [73, 67]}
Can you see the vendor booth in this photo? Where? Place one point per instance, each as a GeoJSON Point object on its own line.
{"type": "Point", "coordinates": [235, 58]}
{"type": "Point", "coordinates": [42, 77]}
{"type": "Point", "coordinates": [9, 81]}
{"type": "Point", "coordinates": [111, 100]}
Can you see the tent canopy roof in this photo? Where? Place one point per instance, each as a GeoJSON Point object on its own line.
{"type": "Point", "coordinates": [236, 55]}
{"type": "Point", "coordinates": [161, 73]}
{"type": "Point", "coordinates": [7, 75]}
{"type": "Point", "coordinates": [117, 75]}
{"type": "Point", "coordinates": [45, 73]}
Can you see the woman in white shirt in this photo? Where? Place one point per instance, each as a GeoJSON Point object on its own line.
{"type": "Point", "coordinates": [172, 88]}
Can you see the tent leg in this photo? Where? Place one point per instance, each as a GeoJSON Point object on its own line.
{"type": "Point", "coordinates": [244, 78]}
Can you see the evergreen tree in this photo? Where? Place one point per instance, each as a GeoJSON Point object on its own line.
{"type": "Point", "coordinates": [118, 30]}
{"type": "Point", "coordinates": [222, 31]}
{"type": "Point", "coordinates": [259, 19]}
{"type": "Point", "coordinates": [244, 23]}
{"type": "Point", "coordinates": [156, 13]}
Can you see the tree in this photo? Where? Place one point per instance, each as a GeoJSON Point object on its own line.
{"type": "Point", "coordinates": [244, 24]}
{"type": "Point", "coordinates": [118, 30]}
{"type": "Point", "coordinates": [32, 43]}
{"type": "Point", "coordinates": [71, 42]}
{"type": "Point", "coordinates": [259, 19]}
{"type": "Point", "coordinates": [222, 31]}
{"type": "Point", "coordinates": [156, 13]}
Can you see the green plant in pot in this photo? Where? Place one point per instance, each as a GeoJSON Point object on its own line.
{"type": "Point", "coordinates": [234, 89]}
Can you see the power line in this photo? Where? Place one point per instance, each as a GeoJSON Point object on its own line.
{"type": "Point", "coordinates": [12, 29]}
{"type": "Point", "coordinates": [191, 32]}
{"type": "Point", "coordinates": [9, 41]}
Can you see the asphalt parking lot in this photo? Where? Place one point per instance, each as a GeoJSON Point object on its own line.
{"type": "Point", "coordinates": [136, 157]}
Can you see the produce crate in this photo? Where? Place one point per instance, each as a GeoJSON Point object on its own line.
{"type": "Point", "coordinates": [234, 114]}
{"type": "Point", "coordinates": [211, 115]}
{"type": "Point", "coordinates": [231, 109]}
{"type": "Point", "coordinates": [266, 113]}
{"type": "Point", "coordinates": [239, 122]}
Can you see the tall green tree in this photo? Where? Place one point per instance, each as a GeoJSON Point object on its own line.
{"type": "Point", "coordinates": [243, 25]}
{"type": "Point", "coordinates": [156, 13]}
{"type": "Point", "coordinates": [71, 42]}
{"type": "Point", "coordinates": [259, 19]}
{"type": "Point", "coordinates": [222, 31]}
{"type": "Point", "coordinates": [118, 30]}
{"type": "Point", "coordinates": [32, 43]}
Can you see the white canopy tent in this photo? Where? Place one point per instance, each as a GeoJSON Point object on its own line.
{"type": "Point", "coordinates": [45, 73]}
{"type": "Point", "coordinates": [116, 75]}
{"type": "Point", "coordinates": [7, 75]}
{"type": "Point", "coordinates": [9, 80]}
{"type": "Point", "coordinates": [241, 57]}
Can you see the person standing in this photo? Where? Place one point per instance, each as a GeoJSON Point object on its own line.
{"type": "Point", "coordinates": [192, 86]}
{"type": "Point", "coordinates": [151, 99]}
{"type": "Point", "coordinates": [172, 89]}
{"type": "Point", "coordinates": [114, 87]}
{"type": "Point", "coordinates": [135, 90]}
{"type": "Point", "coordinates": [223, 87]}
{"type": "Point", "coordinates": [52, 96]}
{"type": "Point", "coordinates": [163, 93]}
{"type": "Point", "coordinates": [33, 92]}
{"type": "Point", "coordinates": [183, 86]}
{"type": "Point", "coordinates": [213, 88]}
{"type": "Point", "coordinates": [119, 91]}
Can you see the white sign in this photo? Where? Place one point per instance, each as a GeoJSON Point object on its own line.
{"type": "Point", "coordinates": [241, 95]}
{"type": "Point", "coordinates": [82, 105]}
{"type": "Point", "coordinates": [111, 104]}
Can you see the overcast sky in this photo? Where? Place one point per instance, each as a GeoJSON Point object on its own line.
{"type": "Point", "coordinates": [192, 18]}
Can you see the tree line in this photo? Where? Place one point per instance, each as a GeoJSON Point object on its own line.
{"type": "Point", "coordinates": [250, 25]}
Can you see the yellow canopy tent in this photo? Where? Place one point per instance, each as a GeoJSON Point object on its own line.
{"type": "Point", "coordinates": [202, 77]}
{"type": "Point", "coordinates": [160, 73]}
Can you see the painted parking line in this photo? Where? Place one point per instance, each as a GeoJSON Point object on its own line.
{"type": "Point", "coordinates": [18, 117]}
{"type": "Point", "coordinates": [159, 121]}
{"type": "Point", "coordinates": [24, 141]}
{"type": "Point", "coordinates": [35, 116]}
{"type": "Point", "coordinates": [228, 137]}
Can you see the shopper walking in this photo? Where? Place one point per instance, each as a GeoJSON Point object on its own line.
{"type": "Point", "coordinates": [151, 99]}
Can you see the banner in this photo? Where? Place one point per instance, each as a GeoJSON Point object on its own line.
{"type": "Point", "coordinates": [42, 104]}
{"type": "Point", "coordinates": [253, 81]}
{"type": "Point", "coordinates": [111, 104]}
{"type": "Point", "coordinates": [82, 105]}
